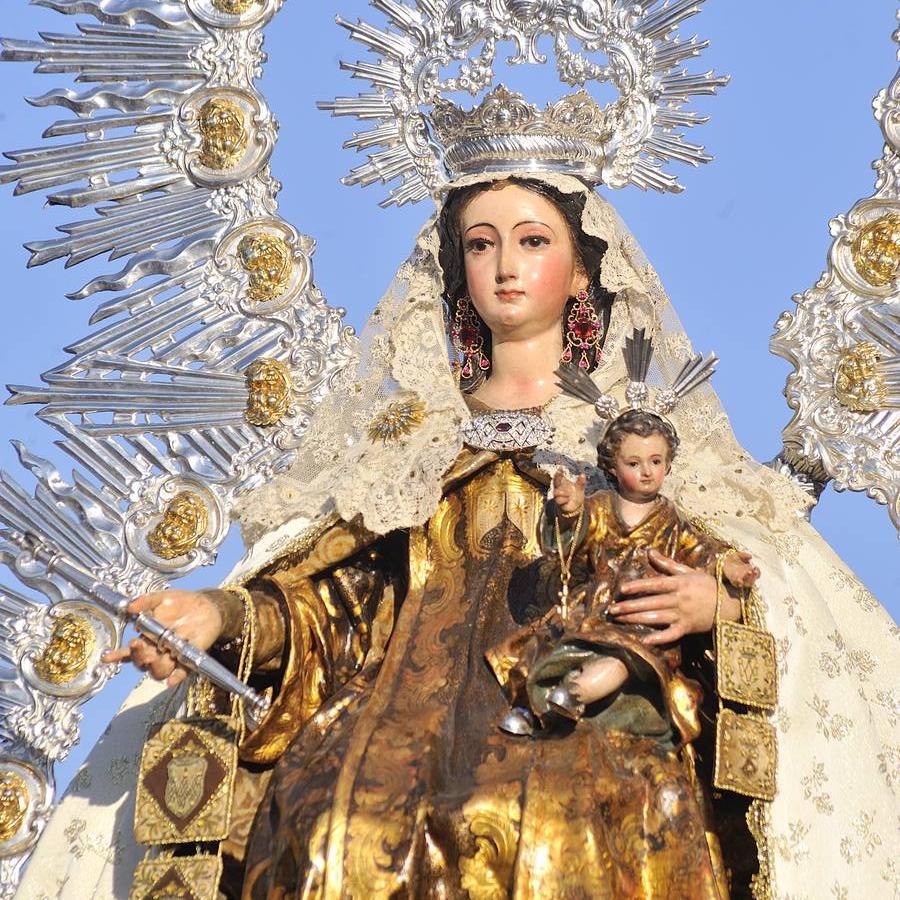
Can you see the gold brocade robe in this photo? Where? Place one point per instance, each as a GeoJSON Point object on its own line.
{"type": "Point", "coordinates": [392, 777]}
{"type": "Point", "coordinates": [657, 700]}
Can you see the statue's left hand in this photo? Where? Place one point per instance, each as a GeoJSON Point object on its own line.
{"type": "Point", "coordinates": [679, 601]}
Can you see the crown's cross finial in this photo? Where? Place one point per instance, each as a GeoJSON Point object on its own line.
{"type": "Point", "coordinates": [426, 141]}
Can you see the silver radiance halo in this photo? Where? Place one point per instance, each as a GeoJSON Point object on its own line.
{"type": "Point", "coordinates": [426, 141]}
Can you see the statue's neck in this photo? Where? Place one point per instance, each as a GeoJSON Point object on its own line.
{"type": "Point", "coordinates": [522, 371]}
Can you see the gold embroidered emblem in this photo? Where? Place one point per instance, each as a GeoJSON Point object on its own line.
{"type": "Point", "coordinates": [268, 261]}
{"type": "Point", "coordinates": [746, 755]}
{"type": "Point", "coordinates": [858, 384]}
{"type": "Point", "coordinates": [269, 392]}
{"type": "Point", "coordinates": [181, 528]}
{"type": "Point", "coordinates": [223, 133]}
{"type": "Point", "coordinates": [186, 772]}
{"type": "Point", "coordinates": [876, 250]}
{"type": "Point", "coordinates": [746, 665]}
{"type": "Point", "coordinates": [186, 781]}
{"type": "Point", "coordinates": [509, 495]}
{"type": "Point", "coordinates": [13, 804]}
{"type": "Point", "coordinates": [68, 651]}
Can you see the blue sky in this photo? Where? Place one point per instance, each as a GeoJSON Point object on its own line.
{"type": "Point", "coordinates": [793, 136]}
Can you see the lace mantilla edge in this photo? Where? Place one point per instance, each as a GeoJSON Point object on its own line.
{"type": "Point", "coordinates": [349, 463]}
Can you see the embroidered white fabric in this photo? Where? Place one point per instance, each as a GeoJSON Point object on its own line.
{"type": "Point", "coordinates": [833, 827]}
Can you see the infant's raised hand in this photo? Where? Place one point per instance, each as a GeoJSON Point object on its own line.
{"type": "Point", "coordinates": [568, 495]}
{"type": "Point", "coordinates": [739, 570]}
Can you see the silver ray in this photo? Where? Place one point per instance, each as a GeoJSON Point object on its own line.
{"type": "Point", "coordinates": [843, 341]}
{"type": "Point", "coordinates": [152, 404]}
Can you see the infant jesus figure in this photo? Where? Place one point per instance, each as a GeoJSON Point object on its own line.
{"type": "Point", "coordinates": [580, 659]}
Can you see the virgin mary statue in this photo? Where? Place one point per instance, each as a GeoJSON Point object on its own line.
{"type": "Point", "coordinates": [405, 544]}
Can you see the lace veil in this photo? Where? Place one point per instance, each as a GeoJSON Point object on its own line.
{"type": "Point", "coordinates": [345, 467]}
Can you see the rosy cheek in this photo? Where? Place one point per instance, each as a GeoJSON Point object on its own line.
{"type": "Point", "coordinates": [548, 275]}
{"type": "Point", "coordinates": [479, 280]}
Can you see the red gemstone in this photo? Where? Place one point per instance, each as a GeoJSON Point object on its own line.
{"type": "Point", "coordinates": [584, 331]}
{"type": "Point", "coordinates": [467, 335]}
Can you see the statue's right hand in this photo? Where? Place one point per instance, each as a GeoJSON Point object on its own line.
{"type": "Point", "coordinates": [191, 615]}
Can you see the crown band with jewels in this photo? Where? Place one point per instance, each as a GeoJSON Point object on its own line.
{"type": "Point", "coordinates": [426, 141]}
{"type": "Point", "coordinates": [506, 132]}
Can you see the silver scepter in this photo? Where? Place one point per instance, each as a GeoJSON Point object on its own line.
{"type": "Point", "coordinates": [189, 656]}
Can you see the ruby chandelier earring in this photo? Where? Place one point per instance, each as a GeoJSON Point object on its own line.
{"type": "Point", "coordinates": [583, 330]}
{"type": "Point", "coordinates": [467, 338]}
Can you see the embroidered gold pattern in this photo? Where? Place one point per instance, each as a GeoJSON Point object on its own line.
{"type": "Point", "coordinates": [746, 755]}
{"type": "Point", "coordinates": [269, 392]}
{"type": "Point", "coordinates": [68, 651]}
{"type": "Point", "coordinates": [177, 878]}
{"type": "Point", "coordinates": [185, 782]}
{"type": "Point", "coordinates": [397, 420]}
{"type": "Point", "coordinates": [508, 495]}
{"type": "Point", "coordinates": [858, 384]}
{"type": "Point", "coordinates": [223, 132]}
{"type": "Point", "coordinates": [185, 774]}
{"type": "Point", "coordinates": [181, 528]}
{"type": "Point", "coordinates": [746, 665]}
{"type": "Point", "coordinates": [268, 260]}
{"type": "Point", "coordinates": [13, 804]}
{"type": "Point", "coordinates": [494, 823]}
{"type": "Point", "coordinates": [876, 250]}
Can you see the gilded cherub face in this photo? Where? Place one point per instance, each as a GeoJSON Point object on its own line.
{"type": "Point", "coordinates": [221, 124]}
{"type": "Point", "coordinates": [641, 466]}
{"type": "Point", "coordinates": [183, 524]}
{"type": "Point", "coordinates": [267, 260]}
{"type": "Point", "coordinates": [269, 392]}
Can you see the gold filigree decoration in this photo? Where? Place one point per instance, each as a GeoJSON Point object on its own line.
{"type": "Point", "coordinates": [876, 250]}
{"type": "Point", "coordinates": [13, 804]}
{"type": "Point", "coordinates": [234, 7]}
{"type": "Point", "coordinates": [224, 134]}
{"type": "Point", "coordinates": [183, 524]}
{"type": "Point", "coordinates": [268, 261]}
{"type": "Point", "coordinates": [397, 420]}
{"type": "Point", "coordinates": [185, 776]}
{"type": "Point", "coordinates": [269, 392]}
{"type": "Point", "coordinates": [858, 384]}
{"type": "Point", "coordinates": [67, 653]}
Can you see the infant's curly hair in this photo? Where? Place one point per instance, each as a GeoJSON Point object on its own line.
{"type": "Point", "coordinates": [635, 421]}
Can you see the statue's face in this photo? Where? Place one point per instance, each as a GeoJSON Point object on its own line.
{"type": "Point", "coordinates": [642, 464]}
{"type": "Point", "coordinates": [520, 260]}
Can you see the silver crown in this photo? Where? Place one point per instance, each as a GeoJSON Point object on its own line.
{"type": "Point", "coordinates": [426, 140]}
{"type": "Point", "coordinates": [504, 131]}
